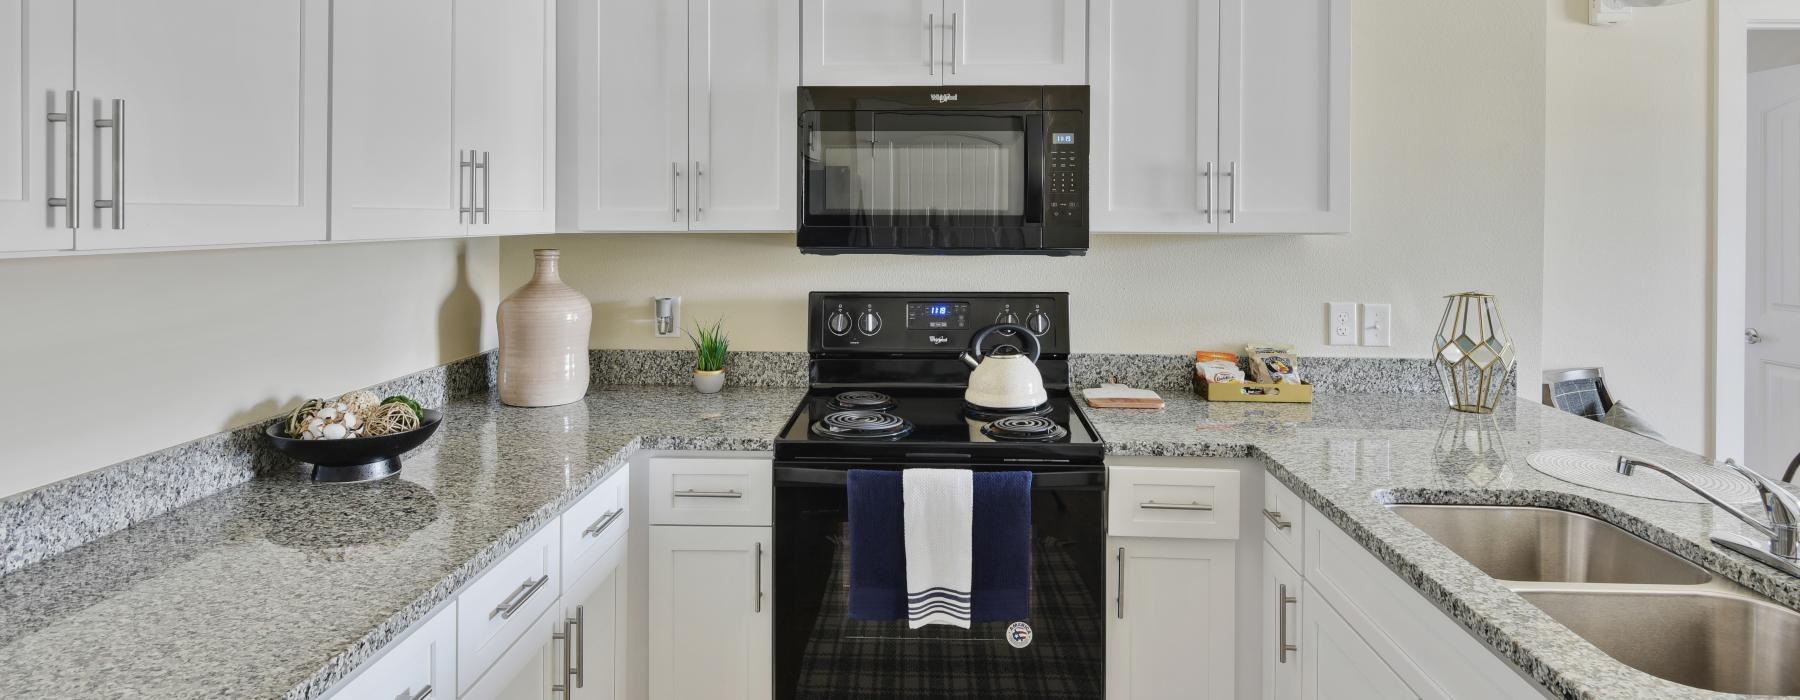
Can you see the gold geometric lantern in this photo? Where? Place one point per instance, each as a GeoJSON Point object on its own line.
{"type": "Point", "coordinates": [1473, 352]}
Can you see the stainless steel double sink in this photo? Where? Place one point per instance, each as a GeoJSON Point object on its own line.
{"type": "Point", "coordinates": [1637, 602]}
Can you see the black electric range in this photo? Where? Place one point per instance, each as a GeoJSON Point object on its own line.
{"type": "Point", "coordinates": [886, 392]}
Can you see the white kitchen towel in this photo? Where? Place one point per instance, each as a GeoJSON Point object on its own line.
{"type": "Point", "coordinates": [940, 511]}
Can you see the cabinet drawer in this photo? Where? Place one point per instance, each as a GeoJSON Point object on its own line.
{"type": "Point", "coordinates": [595, 523]}
{"type": "Point", "coordinates": [1284, 520]}
{"type": "Point", "coordinates": [497, 608]}
{"type": "Point", "coordinates": [709, 491]}
{"type": "Point", "coordinates": [421, 665]}
{"type": "Point", "coordinates": [1179, 502]}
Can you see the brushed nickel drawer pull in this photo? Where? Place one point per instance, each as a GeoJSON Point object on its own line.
{"type": "Point", "coordinates": [690, 493]}
{"type": "Point", "coordinates": [424, 692]}
{"type": "Point", "coordinates": [1274, 516]}
{"type": "Point", "coordinates": [513, 602]}
{"type": "Point", "coordinates": [1154, 504]}
{"type": "Point", "coordinates": [1282, 645]}
{"type": "Point", "coordinates": [604, 522]}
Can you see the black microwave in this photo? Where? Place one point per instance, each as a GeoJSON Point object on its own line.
{"type": "Point", "coordinates": [943, 170]}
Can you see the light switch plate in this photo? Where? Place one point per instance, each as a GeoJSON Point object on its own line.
{"type": "Point", "coordinates": [1377, 325]}
{"type": "Point", "coordinates": [1340, 323]}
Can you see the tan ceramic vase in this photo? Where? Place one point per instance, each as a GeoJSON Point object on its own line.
{"type": "Point", "coordinates": [544, 339]}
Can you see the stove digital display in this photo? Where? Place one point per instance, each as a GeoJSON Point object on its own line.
{"type": "Point", "coordinates": [938, 310]}
{"type": "Point", "coordinates": [937, 315]}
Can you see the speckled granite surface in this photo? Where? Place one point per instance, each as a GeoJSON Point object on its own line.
{"type": "Point", "coordinates": [1328, 375]}
{"type": "Point", "coordinates": [1348, 455]}
{"type": "Point", "coordinates": [676, 367]}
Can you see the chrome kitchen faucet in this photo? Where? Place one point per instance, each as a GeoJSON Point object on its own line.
{"type": "Point", "coordinates": [1782, 550]}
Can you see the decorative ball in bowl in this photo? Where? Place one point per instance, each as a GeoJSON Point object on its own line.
{"type": "Point", "coordinates": [348, 440]}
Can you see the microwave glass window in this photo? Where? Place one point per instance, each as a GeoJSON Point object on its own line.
{"type": "Point", "coordinates": [897, 169]}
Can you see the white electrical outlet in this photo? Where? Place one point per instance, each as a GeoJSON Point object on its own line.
{"type": "Point", "coordinates": [1341, 323]}
{"type": "Point", "coordinates": [1377, 325]}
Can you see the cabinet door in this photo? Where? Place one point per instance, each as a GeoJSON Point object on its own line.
{"type": "Point", "coordinates": [743, 69]}
{"type": "Point", "coordinates": [1280, 613]}
{"type": "Point", "coordinates": [37, 38]}
{"type": "Point", "coordinates": [887, 42]}
{"type": "Point", "coordinates": [627, 125]}
{"type": "Point", "coordinates": [1170, 632]}
{"type": "Point", "coordinates": [597, 600]}
{"type": "Point", "coordinates": [1336, 663]}
{"type": "Point", "coordinates": [1284, 116]}
{"type": "Point", "coordinates": [528, 668]}
{"type": "Point", "coordinates": [710, 613]}
{"type": "Point", "coordinates": [421, 665]}
{"type": "Point", "coordinates": [1154, 116]}
{"type": "Point", "coordinates": [394, 163]}
{"type": "Point", "coordinates": [1016, 42]}
{"type": "Point", "coordinates": [506, 111]}
{"type": "Point", "coordinates": [224, 127]}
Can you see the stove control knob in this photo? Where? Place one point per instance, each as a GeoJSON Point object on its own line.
{"type": "Point", "coordinates": [838, 322]}
{"type": "Point", "coordinates": [1007, 317]}
{"type": "Point", "coordinates": [1038, 322]}
{"type": "Point", "coordinates": [869, 323]}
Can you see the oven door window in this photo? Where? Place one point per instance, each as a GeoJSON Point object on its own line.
{"type": "Point", "coordinates": [821, 653]}
{"type": "Point", "coordinates": [923, 170]}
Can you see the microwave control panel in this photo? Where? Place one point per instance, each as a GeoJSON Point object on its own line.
{"type": "Point", "coordinates": [1065, 171]}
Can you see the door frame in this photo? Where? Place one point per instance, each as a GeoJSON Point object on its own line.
{"type": "Point", "coordinates": [1733, 20]}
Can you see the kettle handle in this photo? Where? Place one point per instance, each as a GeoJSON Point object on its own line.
{"type": "Point", "coordinates": [974, 352]}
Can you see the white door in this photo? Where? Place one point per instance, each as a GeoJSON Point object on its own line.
{"type": "Point", "coordinates": [597, 597]}
{"type": "Point", "coordinates": [628, 139]}
{"type": "Point", "coordinates": [711, 600]}
{"type": "Point", "coordinates": [1171, 619]}
{"type": "Point", "coordinates": [394, 177]}
{"type": "Point", "coordinates": [506, 111]}
{"type": "Point", "coordinates": [1154, 116]}
{"type": "Point", "coordinates": [223, 135]}
{"type": "Point", "coordinates": [1335, 662]}
{"type": "Point", "coordinates": [1280, 614]}
{"type": "Point", "coordinates": [37, 73]}
{"type": "Point", "coordinates": [528, 668]}
{"type": "Point", "coordinates": [1016, 42]}
{"type": "Point", "coordinates": [1772, 275]}
{"type": "Point", "coordinates": [1284, 116]}
{"type": "Point", "coordinates": [884, 42]}
{"type": "Point", "coordinates": [743, 68]}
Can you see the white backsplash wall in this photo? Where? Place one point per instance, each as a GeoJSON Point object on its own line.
{"type": "Point", "coordinates": [113, 356]}
{"type": "Point", "coordinates": [1448, 100]}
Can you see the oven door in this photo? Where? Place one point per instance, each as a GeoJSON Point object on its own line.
{"type": "Point", "coordinates": [820, 653]}
{"type": "Point", "coordinates": [921, 181]}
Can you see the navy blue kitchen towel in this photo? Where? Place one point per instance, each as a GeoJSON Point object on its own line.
{"type": "Point", "coordinates": [1000, 570]}
{"type": "Point", "coordinates": [877, 545]}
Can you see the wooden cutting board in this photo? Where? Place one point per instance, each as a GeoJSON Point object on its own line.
{"type": "Point", "coordinates": [1121, 396]}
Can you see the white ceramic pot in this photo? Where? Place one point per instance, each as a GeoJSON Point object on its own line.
{"type": "Point", "coordinates": [1005, 380]}
{"type": "Point", "coordinates": [544, 339]}
{"type": "Point", "coordinates": [709, 382]}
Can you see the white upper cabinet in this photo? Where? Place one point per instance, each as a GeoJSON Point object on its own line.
{"type": "Point", "coordinates": [1284, 116]}
{"type": "Point", "coordinates": [395, 177]}
{"type": "Point", "coordinates": [1220, 116]}
{"type": "Point", "coordinates": [37, 75]}
{"type": "Point", "coordinates": [948, 42]}
{"type": "Point", "coordinates": [506, 112]}
{"type": "Point", "coordinates": [214, 121]}
{"type": "Point", "coordinates": [741, 129]}
{"type": "Point", "coordinates": [625, 124]}
{"type": "Point", "coordinates": [1016, 42]}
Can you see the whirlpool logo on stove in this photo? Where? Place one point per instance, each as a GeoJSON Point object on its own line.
{"type": "Point", "coordinates": [942, 97]}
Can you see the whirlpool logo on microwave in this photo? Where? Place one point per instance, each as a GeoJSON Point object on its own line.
{"type": "Point", "coordinates": [942, 97]}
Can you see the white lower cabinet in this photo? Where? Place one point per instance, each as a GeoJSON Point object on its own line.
{"type": "Point", "coordinates": [1169, 633]}
{"type": "Point", "coordinates": [596, 600]}
{"type": "Point", "coordinates": [1334, 660]}
{"type": "Point", "coordinates": [421, 665]}
{"type": "Point", "coordinates": [711, 613]}
{"type": "Point", "coordinates": [1280, 613]}
{"type": "Point", "coordinates": [528, 669]}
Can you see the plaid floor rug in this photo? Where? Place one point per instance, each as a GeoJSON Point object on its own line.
{"type": "Point", "coordinates": [1065, 660]}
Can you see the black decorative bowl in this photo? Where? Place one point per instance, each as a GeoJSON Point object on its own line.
{"type": "Point", "coordinates": [354, 459]}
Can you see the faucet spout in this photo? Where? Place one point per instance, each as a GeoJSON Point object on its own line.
{"type": "Point", "coordinates": [1779, 505]}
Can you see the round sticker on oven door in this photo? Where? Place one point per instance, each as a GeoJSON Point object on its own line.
{"type": "Point", "coordinates": [1018, 634]}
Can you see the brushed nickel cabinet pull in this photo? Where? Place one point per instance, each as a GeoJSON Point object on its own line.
{"type": "Point", "coordinates": [955, 54]}
{"type": "Point", "coordinates": [605, 521]}
{"type": "Point", "coordinates": [567, 637]}
{"type": "Point", "coordinates": [117, 202]}
{"type": "Point", "coordinates": [698, 211]}
{"type": "Point", "coordinates": [1154, 504]}
{"type": "Point", "coordinates": [758, 577]}
{"type": "Point", "coordinates": [690, 493]}
{"type": "Point", "coordinates": [486, 201]}
{"type": "Point", "coordinates": [513, 602]}
{"type": "Point", "coordinates": [1282, 647]}
{"type": "Point", "coordinates": [1206, 184]}
{"type": "Point", "coordinates": [465, 184]}
{"type": "Point", "coordinates": [1274, 516]}
{"type": "Point", "coordinates": [424, 692]}
{"type": "Point", "coordinates": [675, 192]}
{"type": "Point", "coordinates": [931, 43]}
{"type": "Point", "coordinates": [580, 622]}
{"type": "Point", "coordinates": [1120, 576]}
{"type": "Point", "coordinates": [69, 118]}
{"type": "Point", "coordinates": [1232, 175]}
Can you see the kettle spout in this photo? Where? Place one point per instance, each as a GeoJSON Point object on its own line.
{"type": "Point", "coordinates": [970, 361]}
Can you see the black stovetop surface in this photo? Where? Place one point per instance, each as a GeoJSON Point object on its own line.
{"type": "Point", "coordinates": [943, 431]}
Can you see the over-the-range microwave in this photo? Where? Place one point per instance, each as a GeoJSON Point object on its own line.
{"type": "Point", "coordinates": [944, 169]}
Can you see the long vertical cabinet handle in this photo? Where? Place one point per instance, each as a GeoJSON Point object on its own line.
{"type": "Point", "coordinates": [675, 192]}
{"type": "Point", "coordinates": [931, 43]}
{"type": "Point", "coordinates": [758, 577]}
{"type": "Point", "coordinates": [1282, 647]}
{"type": "Point", "coordinates": [954, 54]}
{"type": "Point", "coordinates": [1232, 175]}
{"type": "Point", "coordinates": [567, 638]}
{"type": "Point", "coordinates": [580, 623]}
{"type": "Point", "coordinates": [486, 166]}
{"type": "Point", "coordinates": [464, 181]}
{"type": "Point", "coordinates": [699, 211]}
{"type": "Point", "coordinates": [1120, 575]}
{"type": "Point", "coordinates": [1206, 184]}
{"type": "Point", "coordinates": [70, 117]}
{"type": "Point", "coordinates": [117, 202]}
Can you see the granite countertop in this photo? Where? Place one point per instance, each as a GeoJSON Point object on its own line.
{"type": "Point", "coordinates": [268, 590]}
{"type": "Point", "coordinates": [1350, 455]}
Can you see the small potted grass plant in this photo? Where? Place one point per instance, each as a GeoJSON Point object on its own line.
{"type": "Point", "coordinates": [710, 346]}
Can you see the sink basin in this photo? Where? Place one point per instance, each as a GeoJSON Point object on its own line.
{"type": "Point", "coordinates": [1712, 640]}
{"type": "Point", "coordinates": [1514, 543]}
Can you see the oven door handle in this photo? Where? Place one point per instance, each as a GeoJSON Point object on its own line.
{"type": "Point", "coordinates": [1073, 478]}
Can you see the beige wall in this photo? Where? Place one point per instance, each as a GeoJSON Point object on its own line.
{"type": "Point", "coordinates": [110, 357]}
{"type": "Point", "coordinates": [1449, 165]}
{"type": "Point", "coordinates": [1626, 208]}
